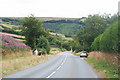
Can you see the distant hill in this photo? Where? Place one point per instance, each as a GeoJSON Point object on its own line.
{"type": "Point", "coordinates": [66, 26]}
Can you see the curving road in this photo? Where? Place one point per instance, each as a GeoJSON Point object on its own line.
{"type": "Point", "coordinates": [64, 65]}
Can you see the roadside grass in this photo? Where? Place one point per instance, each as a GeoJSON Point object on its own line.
{"type": "Point", "coordinates": [56, 50]}
{"type": "Point", "coordinates": [54, 54]}
{"type": "Point", "coordinates": [104, 65]}
{"type": "Point", "coordinates": [77, 54]}
{"type": "Point", "coordinates": [12, 65]}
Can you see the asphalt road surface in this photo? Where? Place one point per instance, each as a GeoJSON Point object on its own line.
{"type": "Point", "coordinates": [64, 65]}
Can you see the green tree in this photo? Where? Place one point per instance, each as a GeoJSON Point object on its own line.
{"type": "Point", "coordinates": [32, 29]}
{"type": "Point", "coordinates": [43, 43]}
{"type": "Point", "coordinates": [95, 25]}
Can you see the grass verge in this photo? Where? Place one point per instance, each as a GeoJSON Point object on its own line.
{"type": "Point", "coordinates": [13, 65]}
{"type": "Point", "coordinates": [77, 54]}
{"type": "Point", "coordinates": [105, 67]}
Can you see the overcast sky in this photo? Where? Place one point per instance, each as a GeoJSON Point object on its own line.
{"type": "Point", "coordinates": [57, 8]}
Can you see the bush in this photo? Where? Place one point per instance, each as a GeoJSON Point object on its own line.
{"type": "Point", "coordinates": [66, 45]}
{"type": "Point", "coordinates": [42, 51]}
{"type": "Point", "coordinates": [62, 49]}
{"type": "Point", "coordinates": [108, 41]}
{"type": "Point", "coordinates": [55, 41]}
{"type": "Point", "coordinates": [43, 43]}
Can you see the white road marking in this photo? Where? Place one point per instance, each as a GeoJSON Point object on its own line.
{"type": "Point", "coordinates": [62, 63]}
{"type": "Point", "coordinates": [50, 75]}
{"type": "Point", "coordinates": [57, 68]}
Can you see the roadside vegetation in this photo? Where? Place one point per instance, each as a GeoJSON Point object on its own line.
{"type": "Point", "coordinates": [106, 64]}
{"type": "Point", "coordinates": [100, 39]}
{"type": "Point", "coordinates": [95, 26]}
{"type": "Point", "coordinates": [107, 41]}
{"type": "Point", "coordinates": [12, 65]}
{"type": "Point", "coordinates": [11, 46]}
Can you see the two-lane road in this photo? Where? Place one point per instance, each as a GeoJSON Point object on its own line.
{"type": "Point", "coordinates": [64, 65]}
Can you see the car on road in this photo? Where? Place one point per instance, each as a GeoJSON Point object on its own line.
{"type": "Point", "coordinates": [83, 54]}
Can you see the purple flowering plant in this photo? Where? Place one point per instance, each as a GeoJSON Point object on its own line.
{"type": "Point", "coordinates": [10, 43]}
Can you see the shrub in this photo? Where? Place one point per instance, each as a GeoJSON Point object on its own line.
{"type": "Point", "coordinates": [66, 45]}
{"type": "Point", "coordinates": [62, 49]}
{"type": "Point", "coordinates": [43, 43]}
{"type": "Point", "coordinates": [42, 50]}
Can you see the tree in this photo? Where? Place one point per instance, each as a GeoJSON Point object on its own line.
{"type": "Point", "coordinates": [95, 25]}
{"type": "Point", "coordinates": [32, 29]}
{"type": "Point", "coordinates": [67, 45]}
{"type": "Point", "coordinates": [43, 43]}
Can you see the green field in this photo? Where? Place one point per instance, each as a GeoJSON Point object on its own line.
{"type": "Point", "coordinates": [63, 28]}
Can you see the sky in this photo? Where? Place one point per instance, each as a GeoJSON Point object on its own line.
{"type": "Point", "coordinates": [57, 8]}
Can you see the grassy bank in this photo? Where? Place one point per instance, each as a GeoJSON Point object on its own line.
{"type": "Point", "coordinates": [106, 64]}
{"type": "Point", "coordinates": [77, 54]}
{"type": "Point", "coordinates": [12, 65]}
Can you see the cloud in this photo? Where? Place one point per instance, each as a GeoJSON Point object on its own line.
{"type": "Point", "coordinates": [56, 8]}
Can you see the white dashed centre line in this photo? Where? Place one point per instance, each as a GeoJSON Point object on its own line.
{"type": "Point", "coordinates": [57, 68]}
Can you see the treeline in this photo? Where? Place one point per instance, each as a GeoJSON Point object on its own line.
{"type": "Point", "coordinates": [95, 26]}
{"type": "Point", "coordinates": [13, 21]}
{"type": "Point", "coordinates": [11, 31]}
{"type": "Point", "coordinates": [77, 21]}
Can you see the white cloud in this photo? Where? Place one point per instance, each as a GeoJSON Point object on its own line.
{"type": "Point", "coordinates": [56, 8]}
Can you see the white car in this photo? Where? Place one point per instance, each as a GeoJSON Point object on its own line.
{"type": "Point", "coordinates": [83, 54]}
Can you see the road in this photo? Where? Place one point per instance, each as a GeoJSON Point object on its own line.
{"type": "Point", "coordinates": [64, 65]}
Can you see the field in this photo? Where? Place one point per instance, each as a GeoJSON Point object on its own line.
{"type": "Point", "coordinates": [18, 37]}
{"type": "Point", "coordinates": [62, 28]}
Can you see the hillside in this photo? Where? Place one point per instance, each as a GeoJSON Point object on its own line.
{"type": "Point", "coordinates": [66, 26]}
